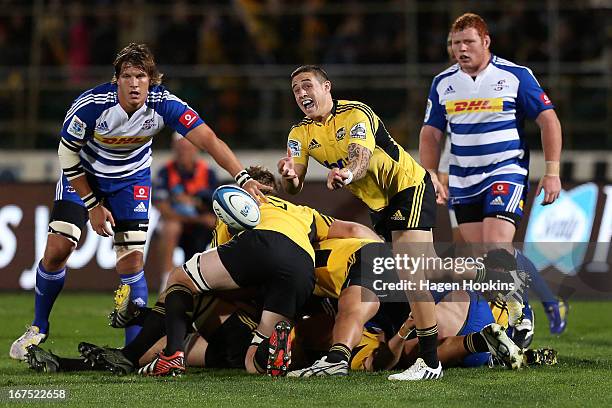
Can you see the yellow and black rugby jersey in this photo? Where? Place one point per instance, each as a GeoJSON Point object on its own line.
{"type": "Point", "coordinates": [221, 234]}
{"type": "Point", "coordinates": [371, 340]}
{"type": "Point", "coordinates": [333, 259]}
{"type": "Point", "coordinates": [499, 308]}
{"type": "Point", "coordinates": [299, 223]}
{"type": "Point", "coordinates": [391, 169]}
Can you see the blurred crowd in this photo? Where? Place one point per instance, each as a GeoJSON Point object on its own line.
{"type": "Point", "coordinates": [83, 33]}
{"type": "Point", "coordinates": [77, 35]}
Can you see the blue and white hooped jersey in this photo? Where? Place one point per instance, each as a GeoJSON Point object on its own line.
{"type": "Point", "coordinates": [118, 145]}
{"type": "Point", "coordinates": [485, 116]}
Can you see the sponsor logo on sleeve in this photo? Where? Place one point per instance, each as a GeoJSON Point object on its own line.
{"type": "Point", "coordinates": [188, 118]}
{"type": "Point", "coordinates": [295, 148]}
{"type": "Point", "coordinates": [545, 99]}
{"type": "Point", "coordinates": [358, 131]}
{"type": "Point", "coordinates": [77, 127]}
{"type": "Point", "coordinates": [141, 192]}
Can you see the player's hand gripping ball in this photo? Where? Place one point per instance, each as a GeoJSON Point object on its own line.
{"type": "Point", "coordinates": [235, 207]}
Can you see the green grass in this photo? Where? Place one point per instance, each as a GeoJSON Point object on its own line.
{"type": "Point", "coordinates": [583, 376]}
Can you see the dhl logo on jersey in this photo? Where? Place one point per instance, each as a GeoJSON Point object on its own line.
{"type": "Point", "coordinates": [122, 141]}
{"type": "Point", "coordinates": [463, 106]}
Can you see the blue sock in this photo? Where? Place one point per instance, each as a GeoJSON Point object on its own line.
{"type": "Point", "coordinates": [48, 287]}
{"type": "Point", "coordinates": [139, 294]}
{"type": "Point", "coordinates": [538, 284]}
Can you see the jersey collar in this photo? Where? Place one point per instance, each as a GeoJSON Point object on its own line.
{"type": "Point", "coordinates": [333, 111]}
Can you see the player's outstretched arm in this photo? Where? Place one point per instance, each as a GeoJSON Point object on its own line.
{"type": "Point", "coordinates": [205, 138]}
{"type": "Point", "coordinates": [550, 128]}
{"type": "Point", "coordinates": [292, 174]}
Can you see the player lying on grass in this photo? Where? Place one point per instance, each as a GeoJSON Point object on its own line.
{"type": "Point", "coordinates": [222, 333]}
{"type": "Point", "coordinates": [314, 334]}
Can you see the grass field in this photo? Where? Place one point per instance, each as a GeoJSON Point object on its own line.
{"type": "Point", "coordinates": [583, 376]}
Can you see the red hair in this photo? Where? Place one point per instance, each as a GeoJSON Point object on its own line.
{"type": "Point", "coordinates": [470, 20]}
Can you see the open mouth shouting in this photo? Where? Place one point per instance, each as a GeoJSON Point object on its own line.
{"type": "Point", "coordinates": [308, 105]}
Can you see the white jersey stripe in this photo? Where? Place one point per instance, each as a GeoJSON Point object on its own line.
{"type": "Point", "coordinates": [478, 139]}
{"type": "Point", "coordinates": [463, 182]}
{"type": "Point", "coordinates": [474, 161]}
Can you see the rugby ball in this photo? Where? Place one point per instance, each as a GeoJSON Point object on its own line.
{"type": "Point", "coordinates": [235, 207]}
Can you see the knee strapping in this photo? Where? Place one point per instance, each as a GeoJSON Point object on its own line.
{"type": "Point", "coordinates": [130, 236]}
{"type": "Point", "coordinates": [66, 230]}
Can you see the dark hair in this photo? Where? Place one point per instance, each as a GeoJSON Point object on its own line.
{"type": "Point", "coordinates": [264, 176]}
{"type": "Point", "coordinates": [470, 20]}
{"type": "Point", "coordinates": [315, 69]}
{"type": "Point", "coordinates": [139, 56]}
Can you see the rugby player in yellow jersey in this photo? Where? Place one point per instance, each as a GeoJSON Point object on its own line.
{"type": "Point", "coordinates": [276, 255]}
{"type": "Point", "coordinates": [350, 139]}
{"type": "Point", "coordinates": [343, 270]}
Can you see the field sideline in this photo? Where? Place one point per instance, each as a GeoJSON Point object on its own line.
{"type": "Point", "coordinates": [582, 378]}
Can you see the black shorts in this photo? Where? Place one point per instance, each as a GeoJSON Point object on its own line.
{"type": "Point", "coordinates": [228, 345]}
{"type": "Point", "coordinates": [271, 260]}
{"type": "Point", "coordinates": [475, 212]}
{"type": "Point", "coordinates": [411, 209]}
{"type": "Point", "coordinates": [390, 317]}
{"type": "Point", "coordinates": [70, 212]}
{"type": "Point", "coordinates": [368, 274]}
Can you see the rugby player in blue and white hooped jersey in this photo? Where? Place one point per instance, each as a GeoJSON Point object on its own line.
{"type": "Point", "coordinates": [105, 155]}
{"type": "Point", "coordinates": [484, 100]}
